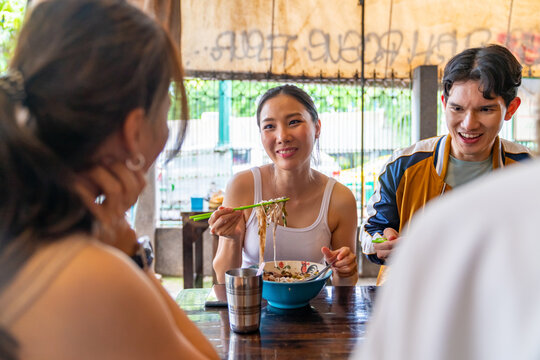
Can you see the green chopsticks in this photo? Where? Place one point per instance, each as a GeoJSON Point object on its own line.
{"type": "Point", "coordinates": [207, 215]}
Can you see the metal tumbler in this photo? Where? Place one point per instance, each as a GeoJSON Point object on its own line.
{"type": "Point", "coordinates": [244, 293]}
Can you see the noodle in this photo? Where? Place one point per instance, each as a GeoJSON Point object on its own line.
{"type": "Point", "coordinates": [267, 214]}
{"type": "Point", "coordinates": [261, 218]}
{"type": "Point", "coordinates": [285, 276]}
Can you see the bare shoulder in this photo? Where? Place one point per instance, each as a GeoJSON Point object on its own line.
{"type": "Point", "coordinates": [112, 309]}
{"type": "Point", "coordinates": [242, 178]}
{"type": "Point", "coordinates": [342, 209]}
{"type": "Point", "coordinates": [342, 198]}
{"type": "Point", "coordinates": [239, 189]}
{"type": "Point", "coordinates": [107, 271]}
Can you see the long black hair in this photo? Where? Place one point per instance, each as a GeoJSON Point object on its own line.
{"type": "Point", "coordinates": [82, 66]}
{"type": "Point", "coordinates": [291, 90]}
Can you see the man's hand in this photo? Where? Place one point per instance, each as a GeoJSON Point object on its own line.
{"type": "Point", "coordinates": [384, 249]}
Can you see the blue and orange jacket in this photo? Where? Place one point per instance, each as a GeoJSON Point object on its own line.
{"type": "Point", "coordinates": [413, 176]}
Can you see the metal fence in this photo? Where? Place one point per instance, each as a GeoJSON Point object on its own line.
{"type": "Point", "coordinates": [223, 137]}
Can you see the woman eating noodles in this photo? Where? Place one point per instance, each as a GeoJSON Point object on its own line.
{"type": "Point", "coordinates": [321, 213]}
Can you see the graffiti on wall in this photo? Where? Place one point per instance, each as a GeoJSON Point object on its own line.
{"type": "Point", "coordinates": [319, 47]}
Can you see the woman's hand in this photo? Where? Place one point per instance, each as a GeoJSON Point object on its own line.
{"type": "Point", "coordinates": [345, 261]}
{"type": "Point", "coordinates": [120, 188]}
{"type": "Point", "coordinates": [224, 222]}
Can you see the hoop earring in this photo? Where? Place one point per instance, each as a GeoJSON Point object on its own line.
{"type": "Point", "coordinates": [137, 164]}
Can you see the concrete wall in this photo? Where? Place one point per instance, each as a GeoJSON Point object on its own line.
{"type": "Point", "coordinates": [169, 252]}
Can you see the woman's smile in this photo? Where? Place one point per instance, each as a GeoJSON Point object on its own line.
{"type": "Point", "coordinates": [287, 152]}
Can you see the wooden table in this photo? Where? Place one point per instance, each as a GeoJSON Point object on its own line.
{"type": "Point", "coordinates": [192, 237]}
{"type": "Point", "coordinates": [329, 328]}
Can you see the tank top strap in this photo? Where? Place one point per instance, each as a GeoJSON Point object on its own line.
{"type": "Point", "coordinates": [325, 204]}
{"type": "Point", "coordinates": [257, 190]}
{"type": "Point", "coordinates": [257, 185]}
{"type": "Point", "coordinates": [36, 276]}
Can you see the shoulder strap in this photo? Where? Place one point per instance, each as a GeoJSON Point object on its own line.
{"type": "Point", "coordinates": [257, 185]}
{"type": "Point", "coordinates": [257, 189]}
{"type": "Point", "coordinates": [325, 204]}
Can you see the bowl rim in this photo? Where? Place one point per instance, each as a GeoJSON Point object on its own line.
{"type": "Point", "coordinates": [278, 283]}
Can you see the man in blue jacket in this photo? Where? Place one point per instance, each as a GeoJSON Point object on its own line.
{"type": "Point", "coordinates": [479, 94]}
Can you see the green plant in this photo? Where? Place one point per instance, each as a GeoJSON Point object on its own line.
{"type": "Point", "coordinates": [11, 18]}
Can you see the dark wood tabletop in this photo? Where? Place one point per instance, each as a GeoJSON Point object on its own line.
{"type": "Point", "coordinates": [328, 328]}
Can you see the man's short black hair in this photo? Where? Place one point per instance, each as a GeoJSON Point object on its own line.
{"type": "Point", "coordinates": [494, 66]}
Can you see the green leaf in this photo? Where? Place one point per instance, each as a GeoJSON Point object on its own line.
{"type": "Point", "coordinates": [379, 240]}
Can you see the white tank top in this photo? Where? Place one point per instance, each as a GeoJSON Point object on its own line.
{"type": "Point", "coordinates": [291, 243]}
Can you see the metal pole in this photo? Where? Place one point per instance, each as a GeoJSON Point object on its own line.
{"type": "Point", "coordinates": [225, 98]}
{"type": "Point", "coordinates": [363, 83]}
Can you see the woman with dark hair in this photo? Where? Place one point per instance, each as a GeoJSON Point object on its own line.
{"type": "Point", "coordinates": [321, 221]}
{"type": "Point", "coordinates": [83, 114]}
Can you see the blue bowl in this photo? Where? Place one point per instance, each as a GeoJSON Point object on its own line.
{"type": "Point", "coordinates": [285, 295]}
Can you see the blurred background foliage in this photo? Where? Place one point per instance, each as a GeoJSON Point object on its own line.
{"type": "Point", "coordinates": [11, 18]}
